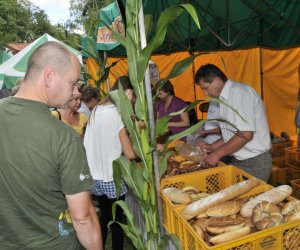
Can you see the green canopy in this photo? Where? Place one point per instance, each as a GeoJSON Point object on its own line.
{"type": "Point", "coordinates": [15, 67]}
{"type": "Point", "coordinates": [4, 55]}
{"type": "Point", "coordinates": [226, 25]}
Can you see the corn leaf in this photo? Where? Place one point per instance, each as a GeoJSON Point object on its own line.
{"type": "Point", "coordinates": [127, 169]}
{"type": "Point", "coordinates": [166, 17]}
{"type": "Point", "coordinates": [117, 175]}
{"type": "Point", "coordinates": [163, 163]}
{"type": "Point", "coordinates": [175, 240]}
{"type": "Point", "coordinates": [186, 132]}
{"type": "Point", "coordinates": [132, 231]}
{"type": "Point", "coordinates": [182, 66]}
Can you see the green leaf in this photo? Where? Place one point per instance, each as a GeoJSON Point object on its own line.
{"type": "Point", "coordinates": [165, 18]}
{"type": "Point", "coordinates": [176, 241]}
{"type": "Point", "coordinates": [131, 230]}
{"type": "Point", "coordinates": [182, 66]}
{"type": "Point", "coordinates": [161, 126]}
{"type": "Point", "coordinates": [117, 174]}
{"type": "Point", "coordinates": [163, 163]}
{"type": "Point", "coordinates": [186, 132]}
{"type": "Point", "coordinates": [191, 10]}
{"type": "Point", "coordinates": [148, 24]}
{"type": "Point", "coordinates": [127, 168]}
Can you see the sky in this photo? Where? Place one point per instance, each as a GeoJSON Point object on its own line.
{"type": "Point", "coordinates": [57, 10]}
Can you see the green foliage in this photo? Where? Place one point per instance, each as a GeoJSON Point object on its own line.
{"type": "Point", "coordinates": [140, 177]}
{"type": "Point", "coordinates": [22, 21]}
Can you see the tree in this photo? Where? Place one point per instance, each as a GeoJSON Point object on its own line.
{"type": "Point", "coordinates": [22, 21]}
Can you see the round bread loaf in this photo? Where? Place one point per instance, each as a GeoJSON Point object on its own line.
{"type": "Point", "coordinates": [224, 209]}
{"type": "Point", "coordinates": [266, 215]}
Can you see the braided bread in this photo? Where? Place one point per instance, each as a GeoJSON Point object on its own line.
{"type": "Point", "coordinates": [266, 215]}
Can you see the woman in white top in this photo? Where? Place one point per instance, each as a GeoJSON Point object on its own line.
{"type": "Point", "coordinates": [105, 140]}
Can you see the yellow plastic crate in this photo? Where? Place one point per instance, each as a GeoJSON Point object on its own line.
{"type": "Point", "coordinates": [292, 156]}
{"type": "Point", "coordinates": [285, 236]}
{"type": "Point", "coordinates": [209, 181]}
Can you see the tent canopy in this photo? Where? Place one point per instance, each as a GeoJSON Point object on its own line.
{"type": "Point", "coordinates": [226, 25]}
{"type": "Point", "coordinates": [16, 66]}
{"type": "Point", "coordinates": [5, 54]}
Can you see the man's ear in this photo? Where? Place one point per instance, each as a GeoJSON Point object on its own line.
{"type": "Point", "coordinates": [49, 75]}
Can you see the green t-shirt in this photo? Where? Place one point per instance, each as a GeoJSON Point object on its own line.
{"type": "Point", "coordinates": [41, 160]}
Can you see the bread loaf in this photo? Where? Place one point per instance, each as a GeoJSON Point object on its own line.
{"type": "Point", "coordinates": [274, 196]}
{"type": "Point", "coordinates": [221, 230]}
{"type": "Point", "coordinates": [266, 215]}
{"type": "Point", "coordinates": [177, 196]}
{"type": "Point", "coordinates": [232, 235]}
{"type": "Point", "coordinates": [226, 194]}
{"type": "Point", "coordinates": [224, 209]}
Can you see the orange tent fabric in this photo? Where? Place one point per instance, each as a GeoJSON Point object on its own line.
{"type": "Point", "coordinates": [279, 73]}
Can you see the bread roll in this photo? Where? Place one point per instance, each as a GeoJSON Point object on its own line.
{"type": "Point", "coordinates": [273, 196]}
{"type": "Point", "coordinates": [221, 230]}
{"type": "Point", "coordinates": [233, 235]}
{"type": "Point", "coordinates": [198, 230]}
{"type": "Point", "coordinates": [266, 215]}
{"type": "Point", "coordinates": [292, 216]}
{"type": "Point", "coordinates": [177, 196]}
{"type": "Point", "coordinates": [224, 209]}
{"type": "Point", "coordinates": [226, 194]}
{"type": "Point", "coordinates": [291, 206]}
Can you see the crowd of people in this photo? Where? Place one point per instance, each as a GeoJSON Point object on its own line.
{"type": "Point", "coordinates": [52, 161]}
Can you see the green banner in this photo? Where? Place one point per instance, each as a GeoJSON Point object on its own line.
{"type": "Point", "coordinates": [109, 16]}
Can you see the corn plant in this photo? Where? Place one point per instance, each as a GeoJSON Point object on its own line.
{"type": "Point", "coordinates": [140, 177]}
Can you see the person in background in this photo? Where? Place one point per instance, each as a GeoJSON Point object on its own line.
{"type": "Point", "coordinates": [248, 140]}
{"type": "Point", "coordinates": [45, 180]}
{"type": "Point", "coordinates": [70, 115]}
{"type": "Point", "coordinates": [90, 98]}
{"type": "Point", "coordinates": [169, 103]}
{"type": "Point", "coordinates": [105, 140]}
{"type": "Point", "coordinates": [210, 131]}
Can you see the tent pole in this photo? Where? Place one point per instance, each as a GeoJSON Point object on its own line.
{"type": "Point", "coordinates": [261, 60]}
{"type": "Point", "coordinates": [151, 122]}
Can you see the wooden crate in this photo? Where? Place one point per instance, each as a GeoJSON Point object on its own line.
{"type": "Point", "coordinates": [278, 148]}
{"type": "Point", "coordinates": [292, 156]}
{"type": "Point", "coordinates": [278, 160]}
{"type": "Point", "coordinates": [274, 177]}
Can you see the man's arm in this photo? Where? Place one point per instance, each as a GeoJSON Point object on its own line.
{"type": "Point", "coordinates": [233, 145]}
{"type": "Point", "coordinates": [85, 220]}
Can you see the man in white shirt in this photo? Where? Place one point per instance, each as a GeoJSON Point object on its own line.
{"type": "Point", "coordinates": [245, 135]}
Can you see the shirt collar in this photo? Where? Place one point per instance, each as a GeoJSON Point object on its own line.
{"type": "Point", "coordinates": [225, 91]}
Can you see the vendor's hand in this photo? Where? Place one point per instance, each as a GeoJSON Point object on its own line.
{"type": "Point", "coordinates": [205, 147]}
{"type": "Point", "coordinates": [210, 160]}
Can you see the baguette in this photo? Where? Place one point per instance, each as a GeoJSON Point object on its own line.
{"type": "Point", "coordinates": [274, 196]}
{"type": "Point", "coordinates": [226, 194]}
{"type": "Point", "coordinates": [232, 235]}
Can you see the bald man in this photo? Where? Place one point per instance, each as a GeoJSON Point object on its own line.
{"type": "Point", "coordinates": [44, 175]}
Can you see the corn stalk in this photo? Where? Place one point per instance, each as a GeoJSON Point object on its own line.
{"type": "Point", "coordinates": [140, 177]}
